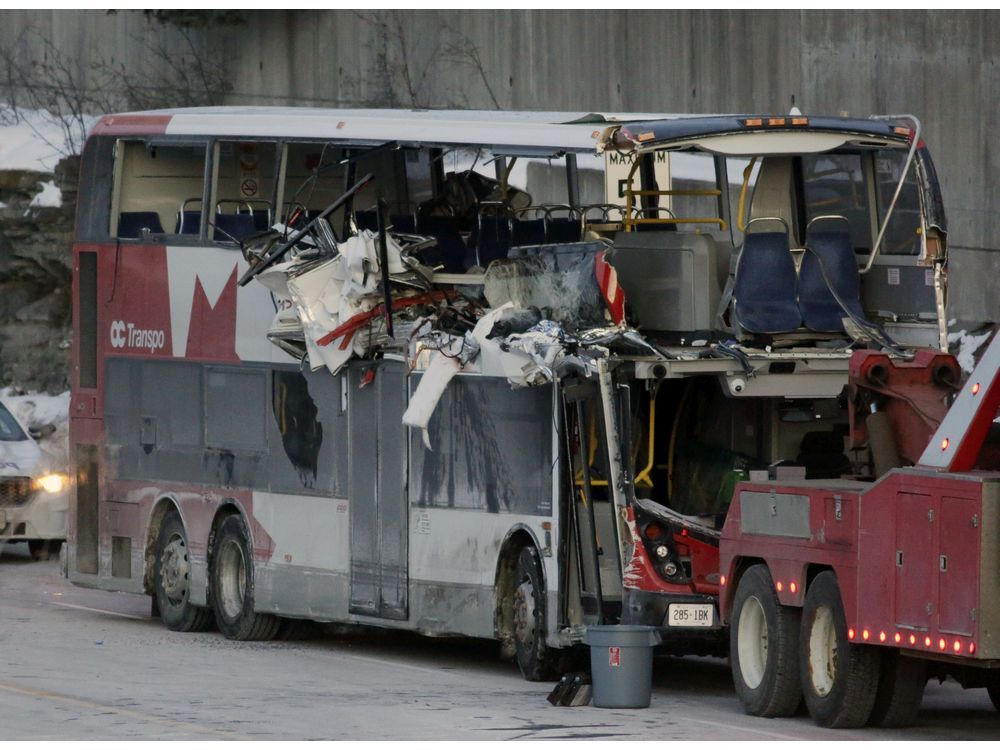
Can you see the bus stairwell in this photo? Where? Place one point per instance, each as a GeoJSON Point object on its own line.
{"type": "Point", "coordinates": [593, 550]}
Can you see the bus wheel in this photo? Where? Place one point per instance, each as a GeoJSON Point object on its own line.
{"type": "Point", "coordinates": [763, 647]}
{"type": "Point", "coordinates": [900, 690]}
{"type": "Point", "coordinates": [536, 660]}
{"type": "Point", "coordinates": [839, 678]}
{"type": "Point", "coordinates": [44, 549]}
{"type": "Point", "coordinates": [232, 586]}
{"type": "Point", "coordinates": [172, 577]}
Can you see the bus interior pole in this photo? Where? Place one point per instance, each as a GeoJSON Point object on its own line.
{"type": "Point", "coordinates": [383, 261]}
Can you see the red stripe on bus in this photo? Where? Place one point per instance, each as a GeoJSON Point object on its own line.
{"type": "Point", "coordinates": [132, 125]}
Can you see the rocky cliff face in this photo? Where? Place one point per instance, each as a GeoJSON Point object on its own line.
{"type": "Point", "coordinates": [35, 276]}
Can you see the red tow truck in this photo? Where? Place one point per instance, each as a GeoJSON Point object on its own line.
{"type": "Point", "coordinates": [853, 594]}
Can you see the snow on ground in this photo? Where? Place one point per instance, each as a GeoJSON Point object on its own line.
{"type": "Point", "coordinates": [36, 142]}
{"type": "Point", "coordinates": [51, 195]}
{"type": "Point", "coordinates": [36, 410]}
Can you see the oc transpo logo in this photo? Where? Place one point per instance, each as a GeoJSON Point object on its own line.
{"type": "Point", "coordinates": [125, 334]}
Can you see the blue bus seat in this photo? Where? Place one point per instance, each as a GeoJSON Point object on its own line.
{"type": "Point", "coordinates": [528, 232]}
{"type": "Point", "coordinates": [765, 286]}
{"type": "Point", "coordinates": [131, 224]}
{"type": "Point", "coordinates": [235, 226]}
{"type": "Point", "coordinates": [188, 222]}
{"type": "Point", "coordinates": [450, 249]}
{"type": "Point", "coordinates": [829, 264]}
{"type": "Point", "coordinates": [491, 241]}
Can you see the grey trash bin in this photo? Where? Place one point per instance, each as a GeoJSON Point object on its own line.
{"type": "Point", "coordinates": [621, 664]}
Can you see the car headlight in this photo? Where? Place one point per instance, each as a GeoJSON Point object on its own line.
{"type": "Point", "coordinates": [51, 483]}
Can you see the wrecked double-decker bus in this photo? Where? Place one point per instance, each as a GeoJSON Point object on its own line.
{"type": "Point", "coordinates": [483, 374]}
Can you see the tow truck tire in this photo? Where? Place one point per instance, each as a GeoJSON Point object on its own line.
{"type": "Point", "coordinates": [536, 660]}
{"type": "Point", "coordinates": [172, 579]}
{"type": "Point", "coordinates": [233, 586]}
{"type": "Point", "coordinates": [839, 678]}
{"type": "Point", "coordinates": [993, 688]}
{"type": "Point", "coordinates": [900, 691]}
{"type": "Point", "coordinates": [764, 647]}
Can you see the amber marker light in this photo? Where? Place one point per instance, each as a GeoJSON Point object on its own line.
{"type": "Point", "coordinates": [793, 587]}
{"type": "Point", "coordinates": [942, 644]}
{"type": "Point", "coordinates": [897, 638]}
{"type": "Point", "coordinates": [800, 121]}
{"type": "Point", "coordinates": [927, 641]}
{"type": "Point", "coordinates": [850, 634]}
{"type": "Point", "coordinates": [722, 581]}
{"type": "Point", "coordinates": [865, 634]}
{"type": "Point", "coordinates": [776, 121]}
{"type": "Point", "coordinates": [975, 389]}
{"type": "Point", "coordinates": [913, 640]}
{"type": "Point", "coordinates": [881, 637]}
{"type": "Point", "coordinates": [779, 585]}
{"type": "Point", "coordinates": [945, 443]}
{"type": "Point", "coordinates": [753, 122]}
{"type": "Point", "coordinates": [957, 646]}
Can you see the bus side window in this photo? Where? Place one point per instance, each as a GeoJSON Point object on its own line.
{"type": "Point", "coordinates": [834, 185]}
{"type": "Point", "coordinates": [244, 195]}
{"type": "Point", "coordinates": [153, 182]}
{"type": "Point", "coordinates": [902, 236]}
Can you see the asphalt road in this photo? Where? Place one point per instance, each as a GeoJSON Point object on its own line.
{"type": "Point", "coordinates": [77, 664]}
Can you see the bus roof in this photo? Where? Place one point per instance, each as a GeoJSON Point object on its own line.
{"type": "Point", "coordinates": [523, 132]}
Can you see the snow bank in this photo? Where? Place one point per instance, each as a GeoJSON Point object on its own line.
{"type": "Point", "coordinates": [965, 345]}
{"type": "Point", "coordinates": [51, 196]}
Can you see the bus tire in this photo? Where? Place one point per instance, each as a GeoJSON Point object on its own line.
{"type": "Point", "coordinates": [172, 579]}
{"type": "Point", "coordinates": [764, 647]}
{"type": "Point", "coordinates": [44, 549]}
{"type": "Point", "coordinates": [900, 690]}
{"type": "Point", "coordinates": [839, 678]}
{"type": "Point", "coordinates": [534, 657]}
{"type": "Point", "coordinates": [232, 586]}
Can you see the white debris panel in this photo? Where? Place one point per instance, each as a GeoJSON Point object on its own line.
{"type": "Point", "coordinates": [533, 315]}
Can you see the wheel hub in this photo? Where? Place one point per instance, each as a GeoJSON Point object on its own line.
{"type": "Point", "coordinates": [175, 570]}
{"type": "Point", "coordinates": [524, 613]}
{"type": "Point", "coordinates": [752, 642]}
{"type": "Point", "coordinates": [232, 581]}
{"type": "Point", "coordinates": [823, 652]}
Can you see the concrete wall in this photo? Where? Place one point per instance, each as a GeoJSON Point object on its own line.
{"type": "Point", "coordinates": [941, 66]}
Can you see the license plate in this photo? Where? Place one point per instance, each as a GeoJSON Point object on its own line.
{"type": "Point", "coordinates": [691, 615]}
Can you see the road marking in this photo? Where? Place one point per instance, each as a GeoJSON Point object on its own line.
{"type": "Point", "coordinates": [99, 611]}
{"type": "Point", "coordinates": [93, 705]}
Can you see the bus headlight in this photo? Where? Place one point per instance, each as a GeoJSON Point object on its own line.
{"type": "Point", "coordinates": [51, 483]}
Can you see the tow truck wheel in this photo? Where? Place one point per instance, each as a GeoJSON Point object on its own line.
{"type": "Point", "coordinates": [534, 657]}
{"type": "Point", "coordinates": [232, 586]}
{"type": "Point", "coordinates": [839, 678]}
{"type": "Point", "coordinates": [764, 647]}
{"type": "Point", "coordinates": [993, 688]}
{"type": "Point", "coordinates": [901, 685]}
{"type": "Point", "coordinates": [172, 580]}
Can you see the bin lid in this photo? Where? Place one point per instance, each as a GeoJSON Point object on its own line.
{"type": "Point", "coordinates": [626, 636]}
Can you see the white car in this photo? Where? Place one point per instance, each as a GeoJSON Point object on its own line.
{"type": "Point", "coordinates": [34, 499]}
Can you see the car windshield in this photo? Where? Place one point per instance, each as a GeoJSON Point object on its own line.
{"type": "Point", "coordinates": [9, 428]}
